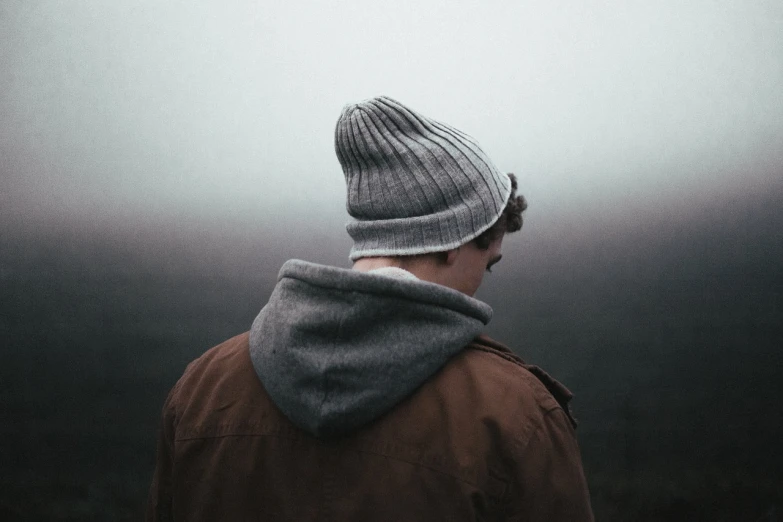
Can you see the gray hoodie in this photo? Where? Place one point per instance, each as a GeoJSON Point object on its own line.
{"type": "Point", "coordinates": [336, 348]}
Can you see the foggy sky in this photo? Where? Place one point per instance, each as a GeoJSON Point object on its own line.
{"type": "Point", "coordinates": [215, 110]}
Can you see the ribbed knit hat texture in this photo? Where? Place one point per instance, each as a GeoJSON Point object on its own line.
{"type": "Point", "coordinates": [414, 185]}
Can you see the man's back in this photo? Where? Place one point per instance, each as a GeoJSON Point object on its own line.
{"type": "Point", "coordinates": [363, 393]}
{"type": "Point", "coordinates": [483, 439]}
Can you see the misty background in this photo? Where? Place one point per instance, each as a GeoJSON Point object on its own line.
{"type": "Point", "coordinates": [160, 160]}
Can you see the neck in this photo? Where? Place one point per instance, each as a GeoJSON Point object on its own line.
{"type": "Point", "coordinates": [366, 264]}
{"type": "Point", "coordinates": [425, 267]}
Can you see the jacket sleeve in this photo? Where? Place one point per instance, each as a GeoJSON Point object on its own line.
{"type": "Point", "coordinates": [159, 505]}
{"type": "Point", "coordinates": [549, 483]}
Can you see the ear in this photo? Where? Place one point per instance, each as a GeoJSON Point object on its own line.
{"type": "Point", "coordinates": [451, 256]}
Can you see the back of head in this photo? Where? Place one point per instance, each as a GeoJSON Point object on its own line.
{"type": "Point", "coordinates": [415, 185]}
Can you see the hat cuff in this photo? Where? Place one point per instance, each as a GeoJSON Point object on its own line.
{"type": "Point", "coordinates": [414, 235]}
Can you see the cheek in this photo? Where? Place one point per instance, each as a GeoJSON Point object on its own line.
{"type": "Point", "coordinates": [475, 281]}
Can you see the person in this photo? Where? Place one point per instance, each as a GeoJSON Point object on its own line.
{"type": "Point", "coordinates": [370, 393]}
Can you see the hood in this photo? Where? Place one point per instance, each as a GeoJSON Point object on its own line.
{"type": "Point", "coordinates": [336, 348]}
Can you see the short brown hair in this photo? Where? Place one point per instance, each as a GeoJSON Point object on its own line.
{"type": "Point", "coordinates": [509, 221]}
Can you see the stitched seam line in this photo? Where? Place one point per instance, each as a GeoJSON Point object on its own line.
{"type": "Point", "coordinates": [513, 359]}
{"type": "Point", "coordinates": [356, 450]}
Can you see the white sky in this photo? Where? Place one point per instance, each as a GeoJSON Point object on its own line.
{"type": "Point", "coordinates": [227, 109]}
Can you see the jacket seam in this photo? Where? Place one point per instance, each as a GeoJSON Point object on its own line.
{"type": "Point", "coordinates": [225, 435]}
{"type": "Point", "coordinates": [535, 434]}
{"type": "Point", "coordinates": [508, 357]}
{"type": "Point", "coordinates": [361, 450]}
{"type": "Point", "coordinates": [513, 359]}
{"type": "Point", "coordinates": [431, 468]}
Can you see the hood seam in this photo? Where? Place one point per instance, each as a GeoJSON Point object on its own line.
{"type": "Point", "coordinates": [335, 343]}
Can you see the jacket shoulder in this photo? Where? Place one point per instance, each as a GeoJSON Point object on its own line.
{"type": "Point", "coordinates": [528, 385]}
{"type": "Point", "coordinates": [214, 362]}
{"type": "Point", "coordinates": [216, 389]}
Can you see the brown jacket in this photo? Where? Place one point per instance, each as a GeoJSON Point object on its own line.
{"type": "Point", "coordinates": [486, 438]}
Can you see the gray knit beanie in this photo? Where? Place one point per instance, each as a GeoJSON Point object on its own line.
{"type": "Point", "coordinates": [414, 185]}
